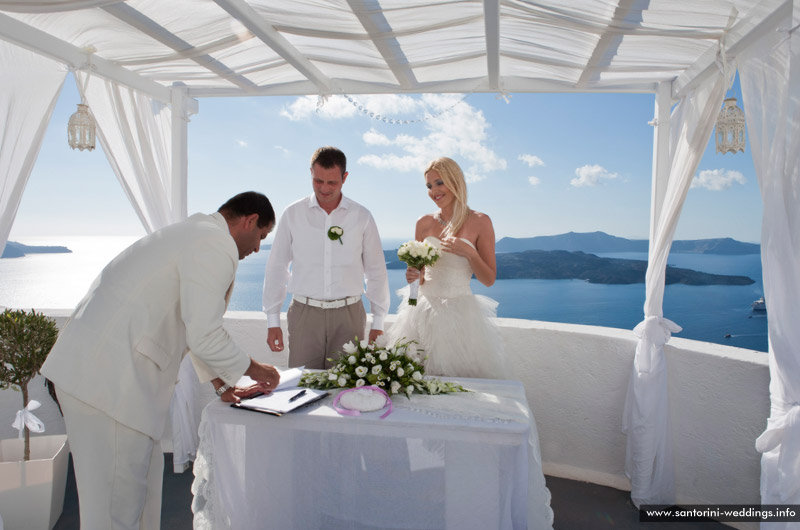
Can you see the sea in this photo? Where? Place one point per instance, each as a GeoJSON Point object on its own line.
{"type": "Point", "coordinates": [719, 314]}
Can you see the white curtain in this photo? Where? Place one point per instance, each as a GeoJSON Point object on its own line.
{"type": "Point", "coordinates": [136, 134]}
{"type": "Point", "coordinates": [770, 78]}
{"type": "Point", "coordinates": [29, 88]}
{"type": "Point", "coordinates": [648, 462]}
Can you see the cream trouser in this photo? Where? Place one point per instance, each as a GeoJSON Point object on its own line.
{"type": "Point", "coordinates": [118, 470]}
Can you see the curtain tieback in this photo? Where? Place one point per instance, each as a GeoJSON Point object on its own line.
{"type": "Point", "coordinates": [653, 333]}
{"type": "Point", "coordinates": [26, 418]}
{"type": "Point", "coordinates": [784, 435]}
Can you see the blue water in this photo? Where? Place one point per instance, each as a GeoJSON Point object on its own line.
{"type": "Point", "coordinates": [705, 313]}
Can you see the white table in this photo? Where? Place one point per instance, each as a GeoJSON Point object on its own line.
{"type": "Point", "coordinates": [429, 465]}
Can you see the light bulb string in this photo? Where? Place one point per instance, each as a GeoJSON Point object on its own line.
{"type": "Point", "coordinates": [322, 99]}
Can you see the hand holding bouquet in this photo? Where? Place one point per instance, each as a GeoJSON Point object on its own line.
{"type": "Point", "coordinates": [417, 254]}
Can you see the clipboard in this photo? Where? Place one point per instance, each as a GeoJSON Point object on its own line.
{"type": "Point", "coordinates": [281, 401]}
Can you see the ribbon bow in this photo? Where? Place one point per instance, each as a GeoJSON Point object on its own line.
{"type": "Point", "coordinates": [26, 418]}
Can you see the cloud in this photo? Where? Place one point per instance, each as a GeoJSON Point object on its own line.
{"type": "Point", "coordinates": [282, 149]}
{"type": "Point", "coordinates": [717, 179]}
{"type": "Point", "coordinates": [534, 181]}
{"type": "Point", "coordinates": [531, 160]}
{"type": "Point", "coordinates": [591, 176]}
{"type": "Point", "coordinates": [241, 143]}
{"type": "Point", "coordinates": [373, 137]}
{"type": "Point", "coordinates": [304, 108]}
{"type": "Point", "coordinates": [338, 107]}
{"type": "Point", "coordinates": [452, 128]}
{"type": "Point", "coordinates": [457, 130]}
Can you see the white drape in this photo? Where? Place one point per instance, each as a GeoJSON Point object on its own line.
{"type": "Point", "coordinates": [770, 78]}
{"type": "Point", "coordinates": [29, 88]}
{"type": "Point", "coordinates": [648, 462]}
{"type": "Point", "coordinates": [135, 132]}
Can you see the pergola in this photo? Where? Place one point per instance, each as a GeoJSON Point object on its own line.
{"type": "Point", "coordinates": [142, 65]}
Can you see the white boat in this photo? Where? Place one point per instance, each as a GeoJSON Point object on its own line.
{"type": "Point", "coordinates": [759, 305]}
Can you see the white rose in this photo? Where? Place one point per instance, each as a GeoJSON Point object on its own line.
{"type": "Point", "coordinates": [382, 341]}
{"type": "Point", "coordinates": [332, 377]}
{"type": "Point", "coordinates": [363, 344]}
{"type": "Point", "coordinates": [360, 382]}
{"type": "Point", "coordinates": [376, 369]}
{"type": "Point", "coordinates": [342, 381]}
{"type": "Point", "coordinates": [352, 359]}
{"type": "Point", "coordinates": [361, 371]}
{"type": "Point", "coordinates": [412, 349]}
{"type": "Point", "coordinates": [349, 347]}
{"type": "Point", "coordinates": [383, 356]}
{"type": "Point", "coordinates": [410, 389]}
{"type": "Point", "coordinates": [396, 387]}
{"type": "Point", "coordinates": [416, 376]}
{"type": "Point", "coordinates": [400, 372]}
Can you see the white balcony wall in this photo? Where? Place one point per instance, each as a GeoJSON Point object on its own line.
{"type": "Point", "coordinates": [575, 378]}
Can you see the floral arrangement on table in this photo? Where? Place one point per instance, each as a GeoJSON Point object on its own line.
{"type": "Point", "coordinates": [417, 254]}
{"type": "Point", "coordinates": [398, 370]}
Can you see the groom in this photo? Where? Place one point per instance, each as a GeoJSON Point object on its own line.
{"type": "Point", "coordinates": [333, 246]}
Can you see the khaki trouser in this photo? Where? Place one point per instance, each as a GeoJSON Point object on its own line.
{"type": "Point", "coordinates": [316, 334]}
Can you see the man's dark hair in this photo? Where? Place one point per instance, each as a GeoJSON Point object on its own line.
{"type": "Point", "coordinates": [248, 203]}
{"type": "Point", "coordinates": [328, 157]}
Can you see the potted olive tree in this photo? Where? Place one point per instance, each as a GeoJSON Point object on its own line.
{"type": "Point", "coordinates": [33, 471]}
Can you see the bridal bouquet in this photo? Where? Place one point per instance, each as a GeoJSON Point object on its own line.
{"type": "Point", "coordinates": [417, 254]}
{"type": "Point", "coordinates": [398, 370]}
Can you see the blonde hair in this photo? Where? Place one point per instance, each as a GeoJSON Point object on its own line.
{"type": "Point", "coordinates": [453, 179]}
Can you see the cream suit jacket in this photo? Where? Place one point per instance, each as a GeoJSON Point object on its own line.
{"type": "Point", "coordinates": [122, 347]}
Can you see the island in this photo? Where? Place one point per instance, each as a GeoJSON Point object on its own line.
{"type": "Point", "coordinates": [18, 250]}
{"type": "Point", "coordinates": [577, 265]}
{"type": "Point", "coordinates": [600, 242]}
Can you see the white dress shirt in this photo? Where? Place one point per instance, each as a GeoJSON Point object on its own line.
{"type": "Point", "coordinates": [322, 268]}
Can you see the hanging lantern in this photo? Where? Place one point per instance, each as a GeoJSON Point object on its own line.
{"type": "Point", "coordinates": [730, 128]}
{"type": "Point", "coordinates": [81, 129]}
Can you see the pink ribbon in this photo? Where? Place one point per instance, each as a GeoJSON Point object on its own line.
{"type": "Point", "coordinates": [349, 412]}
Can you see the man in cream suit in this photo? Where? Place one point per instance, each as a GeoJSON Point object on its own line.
{"type": "Point", "coordinates": [116, 361]}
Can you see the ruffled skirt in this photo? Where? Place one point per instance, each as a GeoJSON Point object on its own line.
{"type": "Point", "coordinates": [457, 334]}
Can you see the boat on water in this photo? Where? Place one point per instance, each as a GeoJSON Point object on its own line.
{"type": "Point", "coordinates": [759, 305]}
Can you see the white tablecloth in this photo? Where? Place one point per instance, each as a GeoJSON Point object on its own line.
{"type": "Point", "coordinates": [455, 461]}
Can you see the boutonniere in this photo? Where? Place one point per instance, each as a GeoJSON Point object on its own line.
{"type": "Point", "coordinates": [335, 234]}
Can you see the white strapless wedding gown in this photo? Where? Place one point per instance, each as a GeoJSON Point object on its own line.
{"type": "Point", "coordinates": [450, 323]}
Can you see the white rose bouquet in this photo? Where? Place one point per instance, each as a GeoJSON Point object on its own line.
{"type": "Point", "coordinates": [398, 370]}
{"type": "Point", "coordinates": [417, 254]}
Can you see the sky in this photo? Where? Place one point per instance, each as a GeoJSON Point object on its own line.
{"type": "Point", "coordinates": [537, 164]}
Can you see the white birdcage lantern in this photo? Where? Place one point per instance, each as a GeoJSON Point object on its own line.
{"type": "Point", "coordinates": [81, 129]}
{"type": "Point", "coordinates": [730, 128]}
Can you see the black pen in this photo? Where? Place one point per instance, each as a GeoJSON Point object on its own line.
{"type": "Point", "coordinates": [297, 396]}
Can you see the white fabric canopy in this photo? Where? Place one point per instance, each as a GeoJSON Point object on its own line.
{"type": "Point", "coordinates": [648, 462]}
{"type": "Point", "coordinates": [29, 87]}
{"type": "Point", "coordinates": [271, 47]}
{"type": "Point", "coordinates": [770, 71]}
{"type": "Point", "coordinates": [135, 132]}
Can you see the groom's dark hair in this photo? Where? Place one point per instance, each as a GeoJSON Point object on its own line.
{"type": "Point", "coordinates": [248, 203]}
{"type": "Point", "coordinates": [328, 157]}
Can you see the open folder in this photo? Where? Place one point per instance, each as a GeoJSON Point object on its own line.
{"type": "Point", "coordinates": [286, 398]}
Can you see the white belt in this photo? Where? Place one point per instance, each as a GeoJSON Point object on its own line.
{"type": "Point", "coordinates": [327, 304]}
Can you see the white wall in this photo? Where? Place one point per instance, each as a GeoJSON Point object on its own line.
{"type": "Point", "coordinates": [576, 378]}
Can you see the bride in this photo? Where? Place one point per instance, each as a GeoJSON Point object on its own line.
{"type": "Point", "coordinates": [450, 323]}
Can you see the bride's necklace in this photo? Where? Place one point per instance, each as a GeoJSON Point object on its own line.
{"type": "Point", "coordinates": [438, 217]}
